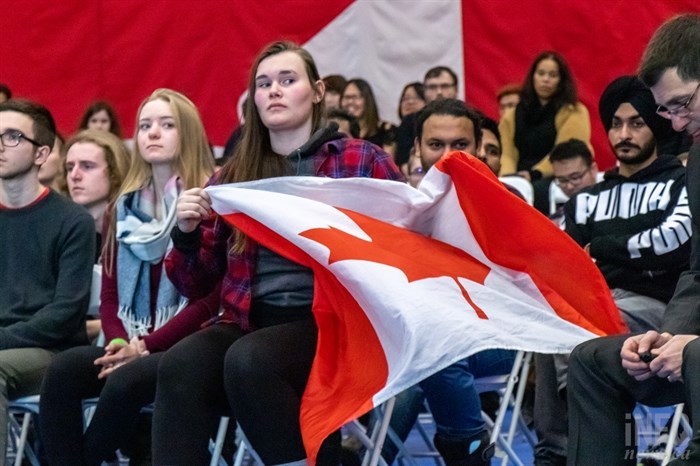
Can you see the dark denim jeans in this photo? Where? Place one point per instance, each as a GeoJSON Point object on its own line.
{"type": "Point", "coordinates": [451, 396]}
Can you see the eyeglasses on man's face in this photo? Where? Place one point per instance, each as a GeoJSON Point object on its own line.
{"type": "Point", "coordinates": [681, 111]}
{"type": "Point", "coordinates": [12, 138]}
{"type": "Point", "coordinates": [574, 178]}
{"type": "Point", "coordinates": [441, 87]}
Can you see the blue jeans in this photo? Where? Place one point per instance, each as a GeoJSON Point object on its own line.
{"type": "Point", "coordinates": [452, 397]}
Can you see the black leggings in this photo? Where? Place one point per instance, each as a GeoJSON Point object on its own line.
{"type": "Point", "coordinates": [262, 374]}
{"type": "Point", "coordinates": [72, 377]}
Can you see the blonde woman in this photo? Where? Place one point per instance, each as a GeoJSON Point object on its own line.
{"type": "Point", "coordinates": [141, 311]}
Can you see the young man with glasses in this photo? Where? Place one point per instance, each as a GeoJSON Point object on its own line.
{"type": "Point", "coordinates": [574, 169]}
{"type": "Point", "coordinates": [609, 375]}
{"type": "Point", "coordinates": [440, 82]}
{"type": "Point", "coordinates": [46, 255]}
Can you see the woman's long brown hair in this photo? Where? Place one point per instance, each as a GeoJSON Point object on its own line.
{"type": "Point", "coordinates": [253, 158]}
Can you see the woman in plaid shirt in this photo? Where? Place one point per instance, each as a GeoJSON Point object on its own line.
{"type": "Point", "coordinates": [256, 355]}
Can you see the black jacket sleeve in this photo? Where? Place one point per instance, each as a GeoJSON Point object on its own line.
{"type": "Point", "coordinates": [682, 315]}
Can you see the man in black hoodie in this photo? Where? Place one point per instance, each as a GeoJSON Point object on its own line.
{"type": "Point", "coordinates": [636, 223]}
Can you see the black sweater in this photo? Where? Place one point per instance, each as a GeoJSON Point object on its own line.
{"type": "Point", "coordinates": [46, 256]}
{"type": "Point", "coordinates": [638, 228]}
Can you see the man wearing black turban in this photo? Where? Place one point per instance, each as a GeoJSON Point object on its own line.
{"type": "Point", "coordinates": [635, 224]}
{"type": "Point", "coordinates": [607, 376]}
{"type": "Point", "coordinates": [631, 90]}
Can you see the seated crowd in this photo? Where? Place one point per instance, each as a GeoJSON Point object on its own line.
{"type": "Point", "coordinates": [198, 320]}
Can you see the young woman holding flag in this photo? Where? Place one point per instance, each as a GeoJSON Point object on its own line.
{"type": "Point", "coordinates": [258, 354]}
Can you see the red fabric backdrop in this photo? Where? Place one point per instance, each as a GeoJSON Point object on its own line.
{"type": "Point", "coordinates": [66, 54]}
{"type": "Point", "coordinates": [601, 40]}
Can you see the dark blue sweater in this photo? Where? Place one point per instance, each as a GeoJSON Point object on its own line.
{"type": "Point", "coordinates": [46, 256]}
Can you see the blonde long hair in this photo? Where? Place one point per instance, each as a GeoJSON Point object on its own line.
{"type": "Point", "coordinates": [194, 163]}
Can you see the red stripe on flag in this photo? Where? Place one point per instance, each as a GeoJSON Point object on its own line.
{"type": "Point", "coordinates": [514, 235]}
{"type": "Point", "coordinates": [349, 366]}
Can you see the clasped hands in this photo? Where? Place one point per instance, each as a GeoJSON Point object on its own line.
{"type": "Point", "coordinates": [118, 353]}
{"type": "Point", "coordinates": [666, 350]}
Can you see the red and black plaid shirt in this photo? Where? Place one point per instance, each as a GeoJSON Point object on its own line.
{"type": "Point", "coordinates": [202, 259]}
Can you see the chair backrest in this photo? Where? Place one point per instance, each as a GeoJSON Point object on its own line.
{"type": "Point", "coordinates": [95, 288]}
{"type": "Point", "coordinates": [556, 197]}
{"type": "Point", "coordinates": [522, 185]}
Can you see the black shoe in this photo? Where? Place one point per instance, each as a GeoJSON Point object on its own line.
{"type": "Point", "coordinates": [551, 459]}
{"type": "Point", "coordinates": [475, 451]}
{"type": "Point", "coordinates": [490, 402]}
{"type": "Point", "coordinates": [350, 457]}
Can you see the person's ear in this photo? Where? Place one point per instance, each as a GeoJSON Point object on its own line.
{"type": "Point", "coordinates": [41, 155]}
{"type": "Point", "coordinates": [320, 90]}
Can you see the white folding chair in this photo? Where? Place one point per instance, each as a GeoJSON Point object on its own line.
{"type": "Point", "coordinates": [244, 450]}
{"type": "Point", "coordinates": [505, 385]}
{"type": "Point", "coordinates": [28, 409]}
{"type": "Point", "coordinates": [556, 197]}
{"type": "Point", "coordinates": [95, 288]}
{"type": "Point", "coordinates": [373, 438]}
{"type": "Point", "coordinates": [89, 405]}
{"type": "Point", "coordinates": [216, 445]}
{"type": "Point", "coordinates": [523, 186]}
{"type": "Point", "coordinates": [676, 421]}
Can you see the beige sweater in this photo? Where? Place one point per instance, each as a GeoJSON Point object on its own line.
{"type": "Point", "coordinates": [571, 121]}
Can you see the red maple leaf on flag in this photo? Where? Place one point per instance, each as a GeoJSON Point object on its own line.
{"type": "Point", "coordinates": [417, 256]}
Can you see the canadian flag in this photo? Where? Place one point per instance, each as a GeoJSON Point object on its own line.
{"type": "Point", "coordinates": [409, 281]}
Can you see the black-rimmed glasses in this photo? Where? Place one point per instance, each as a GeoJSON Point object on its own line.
{"type": "Point", "coordinates": [574, 178]}
{"type": "Point", "coordinates": [12, 138]}
{"type": "Point", "coordinates": [441, 87]}
{"type": "Point", "coordinates": [680, 112]}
